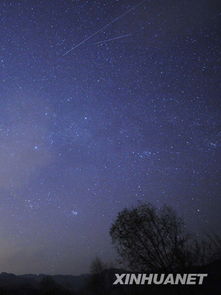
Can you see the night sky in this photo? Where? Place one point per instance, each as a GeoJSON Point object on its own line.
{"type": "Point", "coordinates": [104, 104]}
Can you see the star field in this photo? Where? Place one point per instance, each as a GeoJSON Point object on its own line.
{"type": "Point", "coordinates": [104, 104]}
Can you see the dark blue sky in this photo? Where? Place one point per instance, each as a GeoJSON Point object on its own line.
{"type": "Point", "coordinates": [89, 131]}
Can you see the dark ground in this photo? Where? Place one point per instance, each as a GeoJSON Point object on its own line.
{"type": "Point", "coordinates": [102, 284]}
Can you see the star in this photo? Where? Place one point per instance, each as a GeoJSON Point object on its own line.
{"type": "Point", "coordinates": [74, 213]}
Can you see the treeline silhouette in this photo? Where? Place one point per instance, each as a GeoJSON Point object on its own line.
{"type": "Point", "coordinates": [147, 240]}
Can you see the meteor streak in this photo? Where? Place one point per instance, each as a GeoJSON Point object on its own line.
{"type": "Point", "coordinates": [115, 38]}
{"type": "Point", "coordinates": [104, 27]}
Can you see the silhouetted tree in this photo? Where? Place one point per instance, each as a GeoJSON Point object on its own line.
{"type": "Point", "coordinates": [150, 239]}
{"type": "Point", "coordinates": [97, 266]}
{"type": "Point", "coordinates": [97, 282]}
{"type": "Point", "coordinates": [213, 247]}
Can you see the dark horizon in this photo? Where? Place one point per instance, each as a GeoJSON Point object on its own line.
{"type": "Point", "coordinates": [104, 104]}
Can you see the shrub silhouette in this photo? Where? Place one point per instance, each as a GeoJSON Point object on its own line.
{"type": "Point", "coordinates": [150, 239]}
{"type": "Point", "coordinates": [97, 280]}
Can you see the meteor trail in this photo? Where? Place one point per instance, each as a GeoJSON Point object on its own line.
{"type": "Point", "coordinates": [114, 38]}
{"type": "Point", "coordinates": [104, 27]}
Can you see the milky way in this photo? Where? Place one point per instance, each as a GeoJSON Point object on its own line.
{"type": "Point", "coordinates": [86, 132]}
